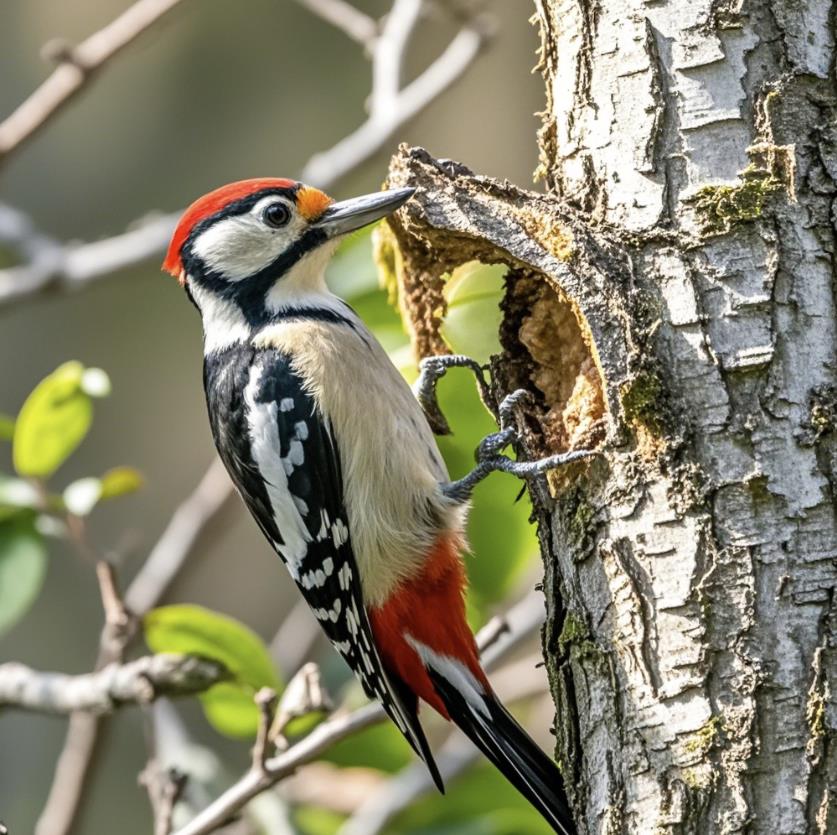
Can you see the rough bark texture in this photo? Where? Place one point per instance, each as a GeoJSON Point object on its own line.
{"type": "Point", "coordinates": [672, 300]}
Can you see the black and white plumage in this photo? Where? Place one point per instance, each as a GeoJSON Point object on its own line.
{"type": "Point", "coordinates": [333, 456]}
{"type": "Point", "coordinates": [284, 462]}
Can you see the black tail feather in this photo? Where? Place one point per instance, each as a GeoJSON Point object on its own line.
{"type": "Point", "coordinates": [498, 735]}
{"type": "Point", "coordinates": [416, 738]}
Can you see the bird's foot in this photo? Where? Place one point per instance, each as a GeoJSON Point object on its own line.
{"type": "Point", "coordinates": [489, 458]}
{"type": "Point", "coordinates": [431, 370]}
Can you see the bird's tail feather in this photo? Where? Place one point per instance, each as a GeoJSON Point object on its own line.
{"type": "Point", "coordinates": [498, 735]}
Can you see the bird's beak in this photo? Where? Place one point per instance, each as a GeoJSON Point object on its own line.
{"type": "Point", "coordinates": [348, 215]}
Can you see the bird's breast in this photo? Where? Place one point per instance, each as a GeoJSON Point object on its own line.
{"type": "Point", "coordinates": [390, 462]}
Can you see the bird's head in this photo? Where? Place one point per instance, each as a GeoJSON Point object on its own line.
{"type": "Point", "coordinates": [250, 249]}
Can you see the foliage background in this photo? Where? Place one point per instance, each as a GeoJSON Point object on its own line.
{"type": "Point", "coordinates": [221, 91]}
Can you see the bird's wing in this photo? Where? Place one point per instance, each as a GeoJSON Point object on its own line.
{"type": "Point", "coordinates": [297, 468]}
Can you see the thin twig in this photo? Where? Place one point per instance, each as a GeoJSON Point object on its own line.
{"type": "Point", "coordinates": [389, 54]}
{"type": "Point", "coordinates": [304, 695]}
{"type": "Point", "coordinates": [179, 538]}
{"type": "Point", "coordinates": [163, 563]}
{"type": "Point", "coordinates": [74, 266]}
{"type": "Point", "coordinates": [524, 618]}
{"type": "Point", "coordinates": [164, 790]}
{"type": "Point", "coordinates": [266, 702]}
{"type": "Point", "coordinates": [345, 17]}
{"type": "Point", "coordinates": [116, 685]}
{"type": "Point", "coordinates": [383, 122]}
{"type": "Point", "coordinates": [77, 67]}
{"type": "Point", "coordinates": [70, 775]}
{"type": "Point", "coordinates": [82, 731]}
{"type": "Point", "coordinates": [172, 789]}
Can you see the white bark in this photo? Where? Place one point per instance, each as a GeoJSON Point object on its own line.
{"type": "Point", "coordinates": [714, 610]}
{"type": "Point", "coordinates": [687, 248]}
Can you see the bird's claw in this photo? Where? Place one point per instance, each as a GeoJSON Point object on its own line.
{"type": "Point", "coordinates": [489, 458]}
{"type": "Point", "coordinates": [431, 370]}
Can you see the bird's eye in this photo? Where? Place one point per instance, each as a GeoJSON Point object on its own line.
{"type": "Point", "coordinates": [276, 215]}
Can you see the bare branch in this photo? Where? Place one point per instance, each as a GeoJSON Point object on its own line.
{"type": "Point", "coordinates": [179, 538]}
{"type": "Point", "coordinates": [390, 52]}
{"type": "Point", "coordinates": [77, 67]}
{"type": "Point", "coordinates": [116, 685]}
{"type": "Point", "coordinates": [525, 616]}
{"type": "Point", "coordinates": [73, 266]}
{"type": "Point", "coordinates": [163, 563]}
{"type": "Point", "coordinates": [256, 781]}
{"type": "Point", "coordinates": [344, 16]}
{"type": "Point", "coordinates": [266, 702]}
{"type": "Point", "coordinates": [70, 775]}
{"type": "Point", "coordinates": [164, 790]}
{"type": "Point", "coordinates": [304, 695]}
{"type": "Point", "coordinates": [386, 119]}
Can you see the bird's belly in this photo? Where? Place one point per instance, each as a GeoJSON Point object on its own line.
{"type": "Point", "coordinates": [391, 465]}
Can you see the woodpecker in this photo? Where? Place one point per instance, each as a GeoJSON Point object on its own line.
{"type": "Point", "coordinates": [334, 457]}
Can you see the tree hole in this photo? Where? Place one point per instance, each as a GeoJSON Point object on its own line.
{"type": "Point", "coordinates": [549, 350]}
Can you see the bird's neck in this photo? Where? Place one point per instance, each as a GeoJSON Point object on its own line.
{"type": "Point", "coordinates": [300, 293]}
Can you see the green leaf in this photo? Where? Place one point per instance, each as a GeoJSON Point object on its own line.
{"type": "Point", "coordinates": [301, 726]}
{"type": "Point", "coordinates": [314, 820]}
{"type": "Point", "coordinates": [52, 422]}
{"type": "Point", "coordinates": [471, 326]}
{"type": "Point", "coordinates": [23, 561]}
{"type": "Point", "coordinates": [7, 427]}
{"type": "Point", "coordinates": [120, 481]}
{"type": "Point", "coordinates": [83, 495]}
{"type": "Point", "coordinates": [230, 709]}
{"type": "Point", "coordinates": [194, 630]}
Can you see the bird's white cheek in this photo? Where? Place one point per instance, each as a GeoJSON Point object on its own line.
{"type": "Point", "coordinates": [238, 247]}
{"type": "Point", "coordinates": [223, 322]}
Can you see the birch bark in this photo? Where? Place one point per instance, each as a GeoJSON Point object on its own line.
{"type": "Point", "coordinates": [706, 702]}
{"type": "Point", "coordinates": [672, 300]}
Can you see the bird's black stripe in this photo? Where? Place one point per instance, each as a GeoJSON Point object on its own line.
{"type": "Point", "coordinates": [225, 377]}
{"type": "Point", "coordinates": [249, 293]}
{"type": "Point", "coordinates": [316, 314]}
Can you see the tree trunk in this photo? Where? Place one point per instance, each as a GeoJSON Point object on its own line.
{"type": "Point", "coordinates": [672, 302]}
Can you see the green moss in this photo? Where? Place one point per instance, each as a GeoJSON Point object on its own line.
{"type": "Point", "coordinates": [703, 740]}
{"type": "Point", "coordinates": [577, 515]}
{"type": "Point", "coordinates": [573, 631]}
{"type": "Point", "coordinates": [823, 410]}
{"type": "Point", "coordinates": [575, 639]}
{"type": "Point", "coordinates": [815, 714]}
{"type": "Point", "coordinates": [758, 487]}
{"type": "Point", "coordinates": [697, 778]}
{"type": "Point", "coordinates": [643, 401]}
{"type": "Point", "coordinates": [721, 207]}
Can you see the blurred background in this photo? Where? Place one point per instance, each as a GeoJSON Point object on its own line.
{"type": "Point", "coordinates": [220, 91]}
